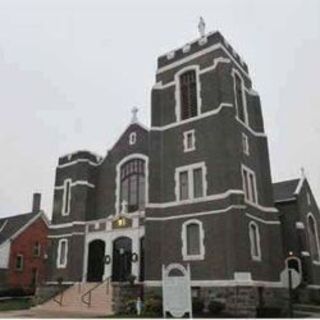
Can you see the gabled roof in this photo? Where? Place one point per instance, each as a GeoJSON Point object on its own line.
{"type": "Point", "coordinates": [285, 190]}
{"type": "Point", "coordinates": [12, 226]}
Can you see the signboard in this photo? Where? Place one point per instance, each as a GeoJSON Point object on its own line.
{"type": "Point", "coordinates": [176, 290]}
{"type": "Point", "coordinates": [295, 278]}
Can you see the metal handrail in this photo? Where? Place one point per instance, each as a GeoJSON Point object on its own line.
{"type": "Point", "coordinates": [89, 292]}
{"type": "Point", "coordinates": [59, 297]}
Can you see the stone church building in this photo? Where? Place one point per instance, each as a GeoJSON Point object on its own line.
{"type": "Point", "coordinates": [195, 188]}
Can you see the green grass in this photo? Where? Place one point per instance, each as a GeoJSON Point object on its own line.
{"type": "Point", "coordinates": [15, 304]}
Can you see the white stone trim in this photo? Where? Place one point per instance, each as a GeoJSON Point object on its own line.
{"type": "Point", "coordinates": [65, 235]}
{"type": "Point", "coordinates": [255, 133]}
{"type": "Point", "coordinates": [211, 197]}
{"type": "Point", "coordinates": [65, 262]}
{"type": "Point", "coordinates": [118, 168]}
{"type": "Point", "coordinates": [184, 248]}
{"type": "Point", "coordinates": [235, 73]}
{"type": "Point", "coordinates": [262, 220]}
{"type": "Point", "coordinates": [189, 169]}
{"type": "Point", "coordinates": [196, 69]}
{"type": "Point", "coordinates": [245, 144]}
{"type": "Point", "coordinates": [186, 134]}
{"type": "Point", "coordinates": [76, 183]}
{"type": "Point", "coordinates": [310, 215]}
{"type": "Point", "coordinates": [68, 164]}
{"type": "Point", "coordinates": [285, 200]}
{"type": "Point", "coordinates": [299, 185]}
{"type": "Point", "coordinates": [300, 225]}
{"type": "Point", "coordinates": [66, 207]}
{"type": "Point", "coordinates": [196, 214]}
{"type": "Point", "coordinates": [63, 282]}
{"type": "Point", "coordinates": [200, 116]}
{"type": "Point", "coordinates": [67, 224]}
{"type": "Point", "coordinates": [305, 253]}
{"type": "Point", "coordinates": [132, 138]}
{"type": "Point", "coordinates": [308, 198]}
{"type": "Point", "coordinates": [216, 61]}
{"type": "Point", "coordinates": [249, 199]}
{"type": "Point", "coordinates": [252, 244]}
{"type": "Point", "coordinates": [3, 225]}
{"type": "Point", "coordinates": [200, 53]}
{"type": "Point", "coordinates": [223, 283]}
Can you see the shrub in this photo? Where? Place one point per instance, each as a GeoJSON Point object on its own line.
{"type": "Point", "coordinates": [216, 306]}
{"type": "Point", "coordinates": [269, 312]}
{"type": "Point", "coordinates": [197, 305]}
{"type": "Point", "coordinates": [153, 305]}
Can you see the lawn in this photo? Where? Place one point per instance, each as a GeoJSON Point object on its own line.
{"type": "Point", "coordinates": [15, 304]}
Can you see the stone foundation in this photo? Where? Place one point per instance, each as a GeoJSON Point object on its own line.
{"type": "Point", "coordinates": [243, 301]}
{"type": "Point", "coordinates": [123, 294]}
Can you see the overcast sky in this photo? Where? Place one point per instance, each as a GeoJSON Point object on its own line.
{"type": "Point", "coordinates": [70, 72]}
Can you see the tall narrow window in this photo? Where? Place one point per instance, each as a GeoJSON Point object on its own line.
{"type": "Point", "coordinates": [66, 197]}
{"type": "Point", "coordinates": [245, 144]}
{"type": "Point", "coordinates": [197, 183]}
{"type": "Point", "coordinates": [184, 185]}
{"type": "Point", "coordinates": [249, 185]}
{"type": "Point", "coordinates": [189, 141]}
{"type": "Point", "coordinates": [62, 256]}
{"type": "Point", "coordinates": [239, 98]}
{"type": "Point", "coordinates": [188, 95]}
{"type": "Point", "coordinates": [254, 236]}
{"type": "Point", "coordinates": [133, 184]}
{"type": "Point", "coordinates": [19, 262]}
{"type": "Point", "coordinates": [193, 240]}
{"type": "Point", "coordinates": [313, 238]}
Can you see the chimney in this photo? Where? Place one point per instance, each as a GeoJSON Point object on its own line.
{"type": "Point", "coordinates": [36, 202]}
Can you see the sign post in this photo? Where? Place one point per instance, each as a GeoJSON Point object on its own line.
{"type": "Point", "coordinates": [291, 278]}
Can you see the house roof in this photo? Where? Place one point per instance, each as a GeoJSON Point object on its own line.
{"type": "Point", "coordinates": [9, 226]}
{"type": "Point", "coordinates": [285, 190]}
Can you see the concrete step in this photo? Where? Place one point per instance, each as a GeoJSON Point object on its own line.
{"type": "Point", "coordinates": [307, 308]}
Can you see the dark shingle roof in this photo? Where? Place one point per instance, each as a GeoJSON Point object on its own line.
{"type": "Point", "coordinates": [284, 190]}
{"type": "Point", "coordinates": [10, 225]}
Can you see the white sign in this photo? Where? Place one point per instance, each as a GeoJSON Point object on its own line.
{"type": "Point", "coordinates": [176, 290]}
{"type": "Point", "coordinates": [295, 278]}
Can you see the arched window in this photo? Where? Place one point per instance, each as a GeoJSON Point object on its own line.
{"type": "Point", "coordinates": [192, 240]}
{"type": "Point", "coordinates": [313, 238]}
{"type": "Point", "coordinates": [254, 236]}
{"type": "Point", "coordinates": [133, 184]}
{"type": "Point", "coordinates": [188, 94]}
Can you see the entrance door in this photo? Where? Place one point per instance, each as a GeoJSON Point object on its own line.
{"type": "Point", "coordinates": [121, 266]}
{"type": "Point", "coordinates": [96, 261]}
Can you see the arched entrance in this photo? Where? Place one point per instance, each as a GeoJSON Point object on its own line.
{"type": "Point", "coordinates": [96, 261]}
{"type": "Point", "coordinates": [121, 262]}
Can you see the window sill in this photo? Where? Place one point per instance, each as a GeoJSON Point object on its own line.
{"type": "Point", "coordinates": [256, 259]}
{"type": "Point", "coordinates": [315, 262]}
{"type": "Point", "coordinates": [189, 150]}
{"type": "Point", "coordinates": [193, 257]}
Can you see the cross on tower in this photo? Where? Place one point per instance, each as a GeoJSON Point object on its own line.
{"type": "Point", "coordinates": [134, 111]}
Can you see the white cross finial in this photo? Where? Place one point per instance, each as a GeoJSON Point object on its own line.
{"type": "Point", "coordinates": [303, 173]}
{"type": "Point", "coordinates": [134, 114]}
{"type": "Point", "coordinates": [124, 206]}
{"type": "Point", "coordinates": [202, 27]}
